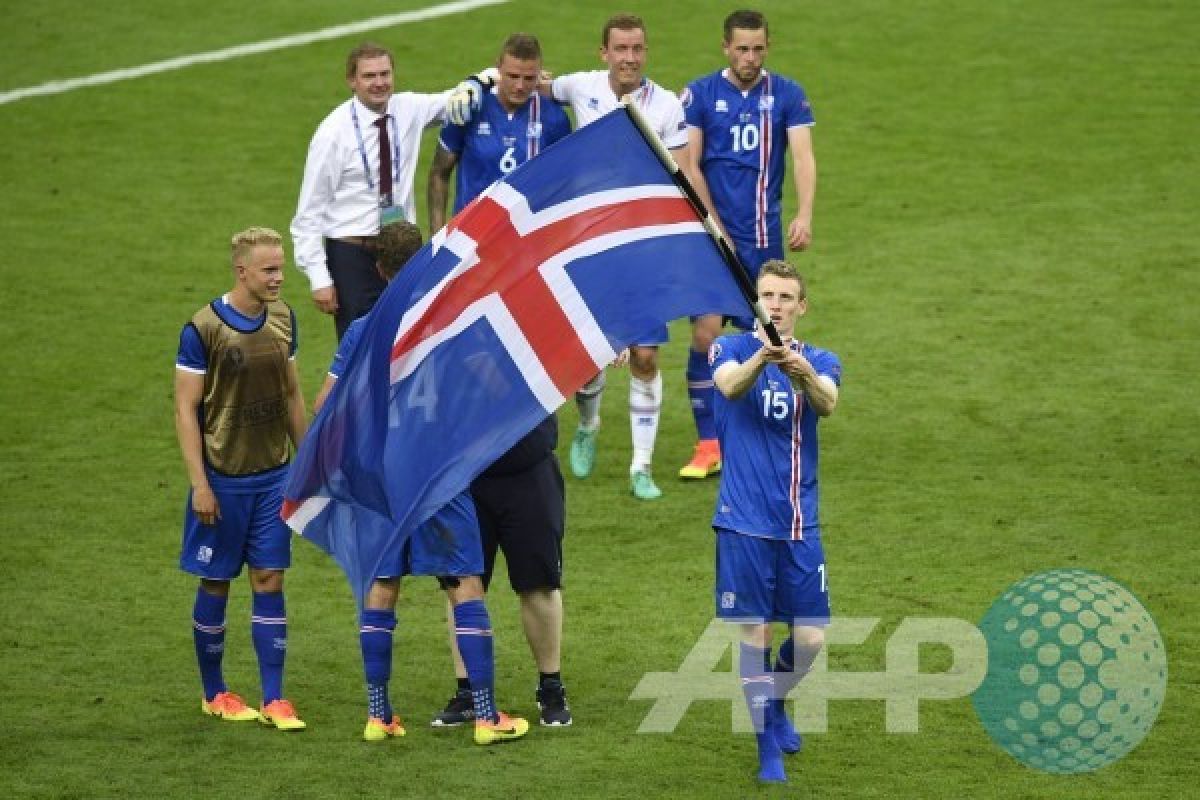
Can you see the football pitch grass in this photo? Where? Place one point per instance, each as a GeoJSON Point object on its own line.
{"type": "Point", "coordinates": [1005, 260]}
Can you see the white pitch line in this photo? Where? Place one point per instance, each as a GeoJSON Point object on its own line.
{"type": "Point", "coordinates": [283, 42]}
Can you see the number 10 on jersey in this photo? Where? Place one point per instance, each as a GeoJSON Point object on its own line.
{"type": "Point", "coordinates": [745, 137]}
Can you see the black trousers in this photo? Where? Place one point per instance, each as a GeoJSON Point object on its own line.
{"type": "Point", "coordinates": [356, 280]}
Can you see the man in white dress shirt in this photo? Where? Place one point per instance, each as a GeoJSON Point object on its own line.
{"type": "Point", "coordinates": [359, 175]}
{"type": "Point", "coordinates": [591, 95]}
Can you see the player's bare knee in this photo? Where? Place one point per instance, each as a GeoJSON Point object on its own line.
{"type": "Point", "coordinates": [215, 588]}
{"type": "Point", "coordinates": [266, 580]}
{"type": "Point", "coordinates": [643, 362]}
{"type": "Point", "coordinates": [807, 638]}
{"type": "Point", "coordinates": [756, 634]}
{"type": "Point", "coordinates": [382, 594]}
{"type": "Point", "coordinates": [469, 588]}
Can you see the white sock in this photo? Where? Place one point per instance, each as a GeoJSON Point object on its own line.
{"type": "Point", "coordinates": [587, 400]}
{"type": "Point", "coordinates": [645, 405]}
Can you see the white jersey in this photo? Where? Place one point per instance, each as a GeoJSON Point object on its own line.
{"type": "Point", "coordinates": [591, 96]}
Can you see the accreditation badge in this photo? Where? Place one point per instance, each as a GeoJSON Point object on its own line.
{"type": "Point", "coordinates": [389, 214]}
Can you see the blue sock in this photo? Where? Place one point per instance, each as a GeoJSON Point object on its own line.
{"type": "Point", "coordinates": [700, 389]}
{"type": "Point", "coordinates": [473, 630]}
{"type": "Point", "coordinates": [375, 639]}
{"type": "Point", "coordinates": [786, 678]}
{"type": "Point", "coordinates": [268, 629]}
{"type": "Point", "coordinates": [758, 686]}
{"type": "Point", "coordinates": [208, 633]}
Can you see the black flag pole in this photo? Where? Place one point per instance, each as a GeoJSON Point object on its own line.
{"type": "Point", "coordinates": [727, 252]}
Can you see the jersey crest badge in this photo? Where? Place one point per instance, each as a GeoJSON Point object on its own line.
{"type": "Point", "coordinates": [721, 107]}
{"type": "Point", "coordinates": [235, 358]}
{"type": "Point", "coordinates": [766, 102]}
{"type": "Point", "coordinates": [484, 129]}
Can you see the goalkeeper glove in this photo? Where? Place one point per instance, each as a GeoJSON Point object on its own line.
{"type": "Point", "coordinates": [467, 97]}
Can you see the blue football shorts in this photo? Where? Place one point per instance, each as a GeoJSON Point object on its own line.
{"type": "Point", "coordinates": [771, 580]}
{"type": "Point", "coordinates": [249, 531]}
{"type": "Point", "coordinates": [447, 544]}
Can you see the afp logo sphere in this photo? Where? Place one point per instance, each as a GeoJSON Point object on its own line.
{"type": "Point", "coordinates": [1076, 673]}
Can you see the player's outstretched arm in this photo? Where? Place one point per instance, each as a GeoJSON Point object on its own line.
{"type": "Point", "coordinates": [821, 391]}
{"type": "Point", "coordinates": [437, 193]}
{"type": "Point", "coordinates": [804, 175]}
{"type": "Point", "coordinates": [189, 392]}
{"type": "Point", "coordinates": [734, 379]}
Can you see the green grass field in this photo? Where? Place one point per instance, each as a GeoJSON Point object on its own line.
{"type": "Point", "coordinates": [1005, 248]}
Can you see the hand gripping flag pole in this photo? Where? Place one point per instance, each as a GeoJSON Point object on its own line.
{"type": "Point", "coordinates": [740, 275]}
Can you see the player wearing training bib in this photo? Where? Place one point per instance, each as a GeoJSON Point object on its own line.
{"type": "Point", "coordinates": [770, 566]}
{"type": "Point", "coordinates": [591, 95]}
{"type": "Point", "coordinates": [237, 406]}
{"type": "Point", "coordinates": [741, 122]}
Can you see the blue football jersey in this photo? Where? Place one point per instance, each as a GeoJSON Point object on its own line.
{"type": "Point", "coordinates": [768, 446]}
{"type": "Point", "coordinates": [494, 142]}
{"type": "Point", "coordinates": [341, 358]}
{"type": "Point", "coordinates": [745, 139]}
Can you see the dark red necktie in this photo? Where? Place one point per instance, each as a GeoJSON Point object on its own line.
{"type": "Point", "coordinates": [385, 160]}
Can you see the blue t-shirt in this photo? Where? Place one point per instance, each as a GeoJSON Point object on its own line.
{"type": "Point", "coordinates": [768, 445]}
{"type": "Point", "coordinates": [745, 139]}
{"type": "Point", "coordinates": [349, 341]}
{"type": "Point", "coordinates": [494, 142]}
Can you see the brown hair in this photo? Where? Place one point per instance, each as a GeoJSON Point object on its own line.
{"type": "Point", "coordinates": [522, 46]}
{"type": "Point", "coordinates": [782, 269]}
{"type": "Point", "coordinates": [747, 21]}
{"type": "Point", "coordinates": [366, 50]}
{"type": "Point", "coordinates": [621, 22]}
{"type": "Point", "coordinates": [397, 243]}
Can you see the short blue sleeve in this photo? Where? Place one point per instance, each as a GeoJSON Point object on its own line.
{"type": "Point", "coordinates": [559, 127]}
{"type": "Point", "coordinates": [349, 341]}
{"type": "Point", "coordinates": [796, 109]}
{"type": "Point", "coordinates": [827, 364]}
{"type": "Point", "coordinates": [191, 355]}
{"type": "Point", "coordinates": [453, 138]}
{"type": "Point", "coordinates": [693, 106]}
{"type": "Point", "coordinates": [727, 349]}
